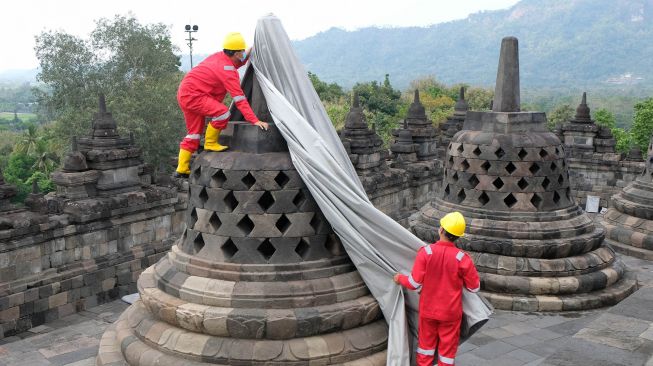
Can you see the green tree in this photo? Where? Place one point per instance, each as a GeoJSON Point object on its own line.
{"type": "Point", "coordinates": [28, 141]}
{"type": "Point", "coordinates": [18, 170]}
{"type": "Point", "coordinates": [643, 124]}
{"type": "Point", "coordinates": [560, 115]}
{"type": "Point", "coordinates": [328, 92]}
{"type": "Point", "coordinates": [134, 65]}
{"type": "Point", "coordinates": [605, 118]}
{"type": "Point", "coordinates": [383, 104]}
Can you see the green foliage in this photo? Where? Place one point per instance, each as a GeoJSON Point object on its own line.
{"type": "Point", "coordinates": [337, 112]}
{"type": "Point", "coordinates": [605, 118]}
{"type": "Point", "coordinates": [133, 65]}
{"type": "Point", "coordinates": [379, 98]}
{"type": "Point", "coordinates": [643, 124]}
{"type": "Point", "coordinates": [382, 104]}
{"type": "Point", "coordinates": [560, 115]}
{"type": "Point", "coordinates": [327, 92]}
{"type": "Point", "coordinates": [18, 170]}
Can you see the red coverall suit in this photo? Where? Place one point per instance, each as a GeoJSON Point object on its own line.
{"type": "Point", "coordinates": [440, 270]}
{"type": "Point", "coordinates": [201, 93]}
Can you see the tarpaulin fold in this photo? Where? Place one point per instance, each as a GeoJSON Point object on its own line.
{"type": "Point", "coordinates": [376, 244]}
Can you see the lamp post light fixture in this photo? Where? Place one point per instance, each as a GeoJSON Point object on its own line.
{"type": "Point", "coordinates": [190, 40]}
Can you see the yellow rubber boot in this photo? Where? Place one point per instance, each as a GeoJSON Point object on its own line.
{"type": "Point", "coordinates": [183, 166]}
{"type": "Point", "coordinates": [211, 139]}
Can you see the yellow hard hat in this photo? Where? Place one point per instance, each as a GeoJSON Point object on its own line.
{"type": "Point", "coordinates": [234, 42]}
{"type": "Point", "coordinates": [453, 223]}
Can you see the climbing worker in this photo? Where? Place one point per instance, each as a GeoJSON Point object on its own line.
{"type": "Point", "coordinates": [201, 93]}
{"type": "Point", "coordinates": [440, 271]}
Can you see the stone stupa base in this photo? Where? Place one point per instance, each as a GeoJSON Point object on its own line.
{"type": "Point", "coordinates": [553, 263]}
{"type": "Point", "coordinates": [133, 338]}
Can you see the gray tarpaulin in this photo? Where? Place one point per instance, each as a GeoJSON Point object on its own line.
{"type": "Point", "coordinates": [378, 246]}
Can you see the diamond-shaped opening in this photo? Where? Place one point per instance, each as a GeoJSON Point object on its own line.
{"type": "Point", "coordinates": [450, 146]}
{"type": "Point", "coordinates": [283, 223]}
{"type": "Point", "coordinates": [522, 153]}
{"type": "Point", "coordinates": [461, 149]}
{"type": "Point", "coordinates": [461, 196]}
{"type": "Point", "coordinates": [218, 178]}
{"type": "Point", "coordinates": [486, 166]}
{"type": "Point", "coordinates": [536, 200]}
{"type": "Point", "coordinates": [545, 183]}
{"type": "Point", "coordinates": [266, 201]}
{"type": "Point", "coordinates": [282, 179]}
{"type": "Point", "coordinates": [464, 165]}
{"type": "Point", "coordinates": [556, 197]}
{"type": "Point", "coordinates": [544, 153]}
{"type": "Point", "coordinates": [522, 184]}
{"type": "Point", "coordinates": [299, 199]}
{"type": "Point", "coordinates": [229, 249]}
{"type": "Point", "coordinates": [246, 225]}
{"type": "Point", "coordinates": [557, 151]}
{"type": "Point", "coordinates": [483, 199]}
{"type": "Point", "coordinates": [198, 243]}
{"type": "Point", "coordinates": [561, 179]}
{"type": "Point", "coordinates": [450, 161]}
{"type": "Point", "coordinates": [203, 196]}
{"type": "Point", "coordinates": [568, 193]}
{"type": "Point", "coordinates": [302, 248]}
{"type": "Point", "coordinates": [510, 168]}
{"type": "Point", "coordinates": [266, 249]}
{"type": "Point", "coordinates": [499, 153]}
{"type": "Point", "coordinates": [564, 163]}
{"type": "Point", "coordinates": [477, 151]}
{"type": "Point", "coordinates": [473, 181]}
{"type": "Point", "coordinates": [455, 176]}
{"type": "Point", "coordinates": [498, 183]}
{"type": "Point", "coordinates": [553, 167]}
{"type": "Point", "coordinates": [316, 222]}
{"type": "Point", "coordinates": [446, 190]}
{"type": "Point", "coordinates": [510, 200]}
{"type": "Point", "coordinates": [215, 222]}
{"type": "Point", "coordinates": [249, 180]}
{"type": "Point", "coordinates": [534, 168]}
{"type": "Point", "coordinates": [197, 173]}
{"type": "Point", "coordinates": [231, 201]}
{"type": "Point", "coordinates": [193, 218]}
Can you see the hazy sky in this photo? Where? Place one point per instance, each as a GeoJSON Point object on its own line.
{"type": "Point", "coordinates": [24, 19]}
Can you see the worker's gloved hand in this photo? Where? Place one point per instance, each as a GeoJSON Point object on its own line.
{"type": "Point", "coordinates": [396, 278]}
{"type": "Point", "coordinates": [263, 125]}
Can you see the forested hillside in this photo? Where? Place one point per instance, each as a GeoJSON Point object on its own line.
{"type": "Point", "coordinates": [563, 43]}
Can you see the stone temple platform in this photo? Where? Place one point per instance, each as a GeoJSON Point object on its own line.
{"type": "Point", "coordinates": [621, 335]}
{"type": "Point", "coordinates": [535, 249]}
{"type": "Point", "coordinates": [258, 277]}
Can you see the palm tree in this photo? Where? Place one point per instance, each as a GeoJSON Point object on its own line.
{"type": "Point", "coordinates": [46, 161]}
{"type": "Point", "coordinates": [29, 141]}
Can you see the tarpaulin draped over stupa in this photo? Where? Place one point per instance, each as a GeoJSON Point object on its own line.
{"type": "Point", "coordinates": [377, 244]}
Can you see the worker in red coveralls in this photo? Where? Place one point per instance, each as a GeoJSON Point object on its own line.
{"type": "Point", "coordinates": [201, 93]}
{"type": "Point", "coordinates": [440, 271]}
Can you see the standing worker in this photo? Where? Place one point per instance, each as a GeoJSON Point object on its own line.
{"type": "Point", "coordinates": [441, 270]}
{"type": "Point", "coordinates": [201, 93]}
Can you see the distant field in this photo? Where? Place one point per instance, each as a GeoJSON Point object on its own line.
{"type": "Point", "coordinates": [22, 116]}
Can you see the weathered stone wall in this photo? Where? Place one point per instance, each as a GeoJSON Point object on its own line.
{"type": "Point", "coordinates": [401, 199]}
{"type": "Point", "coordinates": [600, 174]}
{"type": "Point", "coordinates": [56, 268]}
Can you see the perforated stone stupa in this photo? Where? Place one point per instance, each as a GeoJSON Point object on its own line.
{"type": "Point", "coordinates": [258, 277]}
{"type": "Point", "coordinates": [629, 222]}
{"type": "Point", "coordinates": [452, 125]}
{"type": "Point", "coordinates": [535, 248]}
